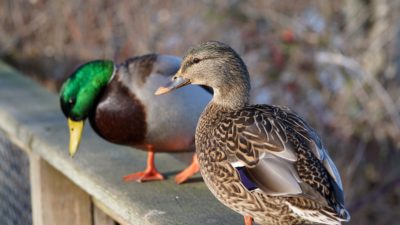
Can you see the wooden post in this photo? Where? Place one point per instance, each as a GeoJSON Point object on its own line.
{"type": "Point", "coordinates": [56, 199]}
{"type": "Point", "coordinates": [102, 209]}
{"type": "Point", "coordinates": [100, 218]}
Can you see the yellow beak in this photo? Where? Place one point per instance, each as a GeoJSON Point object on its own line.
{"type": "Point", "coordinates": [75, 133]}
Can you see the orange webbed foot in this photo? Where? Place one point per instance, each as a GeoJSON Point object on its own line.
{"type": "Point", "coordinates": [150, 174]}
{"type": "Point", "coordinates": [191, 170]}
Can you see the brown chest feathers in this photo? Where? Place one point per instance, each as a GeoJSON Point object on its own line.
{"type": "Point", "coordinates": [119, 116]}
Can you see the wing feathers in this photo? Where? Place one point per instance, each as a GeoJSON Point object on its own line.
{"type": "Point", "coordinates": [271, 142]}
{"type": "Point", "coordinates": [275, 176]}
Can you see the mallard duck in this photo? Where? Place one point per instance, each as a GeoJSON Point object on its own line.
{"type": "Point", "coordinates": [264, 162]}
{"type": "Point", "coordinates": [122, 109]}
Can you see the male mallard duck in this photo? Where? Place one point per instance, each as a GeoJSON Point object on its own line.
{"type": "Point", "coordinates": [121, 107]}
{"type": "Point", "coordinates": [262, 161]}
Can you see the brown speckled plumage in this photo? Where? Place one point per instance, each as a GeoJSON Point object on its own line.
{"type": "Point", "coordinates": [292, 179]}
{"type": "Point", "coordinates": [224, 136]}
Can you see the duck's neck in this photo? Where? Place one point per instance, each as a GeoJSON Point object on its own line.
{"type": "Point", "coordinates": [232, 95]}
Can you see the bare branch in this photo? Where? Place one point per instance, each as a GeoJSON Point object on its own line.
{"type": "Point", "coordinates": [362, 75]}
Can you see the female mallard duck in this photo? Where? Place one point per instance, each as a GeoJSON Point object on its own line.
{"type": "Point", "coordinates": [121, 107]}
{"type": "Point", "coordinates": [262, 161]}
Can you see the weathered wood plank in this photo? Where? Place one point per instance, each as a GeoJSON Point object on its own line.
{"type": "Point", "coordinates": [100, 218]}
{"type": "Point", "coordinates": [56, 199]}
{"type": "Point", "coordinates": [115, 216]}
{"type": "Point", "coordinates": [36, 190]}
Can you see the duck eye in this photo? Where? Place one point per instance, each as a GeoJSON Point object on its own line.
{"type": "Point", "coordinates": [71, 101]}
{"type": "Point", "coordinates": [196, 60]}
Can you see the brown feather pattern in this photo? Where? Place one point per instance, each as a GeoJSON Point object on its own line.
{"type": "Point", "coordinates": [244, 135]}
{"type": "Point", "coordinates": [261, 161]}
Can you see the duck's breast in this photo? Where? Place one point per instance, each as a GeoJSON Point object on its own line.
{"type": "Point", "coordinates": [120, 117]}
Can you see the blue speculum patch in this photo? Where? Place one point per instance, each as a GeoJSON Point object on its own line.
{"type": "Point", "coordinates": [245, 179]}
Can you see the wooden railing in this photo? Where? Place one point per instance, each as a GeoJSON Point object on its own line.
{"type": "Point", "coordinates": [88, 189]}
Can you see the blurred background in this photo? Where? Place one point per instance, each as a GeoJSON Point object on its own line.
{"type": "Point", "coordinates": [337, 63]}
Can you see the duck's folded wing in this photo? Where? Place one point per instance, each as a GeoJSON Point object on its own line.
{"type": "Point", "coordinates": [282, 155]}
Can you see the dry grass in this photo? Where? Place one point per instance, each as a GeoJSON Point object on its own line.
{"type": "Point", "coordinates": [336, 63]}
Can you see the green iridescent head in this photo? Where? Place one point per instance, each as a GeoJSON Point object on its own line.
{"type": "Point", "coordinates": [80, 91]}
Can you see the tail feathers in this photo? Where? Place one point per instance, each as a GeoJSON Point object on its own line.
{"type": "Point", "coordinates": [340, 215]}
{"type": "Point", "coordinates": [324, 216]}
{"type": "Point", "coordinates": [344, 215]}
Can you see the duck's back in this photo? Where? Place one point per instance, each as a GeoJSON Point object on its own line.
{"type": "Point", "coordinates": [128, 113]}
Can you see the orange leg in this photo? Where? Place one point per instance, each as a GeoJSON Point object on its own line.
{"type": "Point", "coordinates": [149, 174]}
{"type": "Point", "coordinates": [189, 171]}
{"type": "Point", "coordinates": [248, 220]}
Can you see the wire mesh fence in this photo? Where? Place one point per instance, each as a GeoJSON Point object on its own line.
{"type": "Point", "coordinates": [15, 197]}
